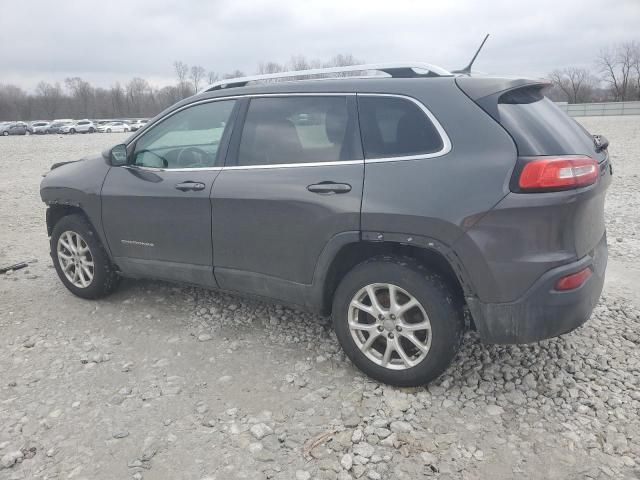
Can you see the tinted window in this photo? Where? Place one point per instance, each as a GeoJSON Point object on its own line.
{"type": "Point", "coordinates": [188, 139]}
{"type": "Point", "coordinates": [539, 127]}
{"type": "Point", "coordinates": [395, 127]}
{"type": "Point", "coordinates": [282, 130]}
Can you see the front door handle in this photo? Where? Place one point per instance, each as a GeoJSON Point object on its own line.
{"type": "Point", "coordinates": [190, 186]}
{"type": "Point", "coordinates": [329, 188]}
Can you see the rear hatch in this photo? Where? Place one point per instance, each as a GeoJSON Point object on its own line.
{"type": "Point", "coordinates": [542, 132]}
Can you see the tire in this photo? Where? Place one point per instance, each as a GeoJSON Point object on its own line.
{"type": "Point", "coordinates": [105, 278]}
{"type": "Point", "coordinates": [72, 131]}
{"type": "Point", "coordinates": [435, 298]}
{"type": "Point", "coordinates": [5, 133]}
{"type": "Point", "coordinates": [108, 130]}
{"type": "Point", "coordinates": [91, 130]}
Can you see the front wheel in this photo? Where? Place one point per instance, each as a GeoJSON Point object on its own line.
{"type": "Point", "coordinates": [398, 322]}
{"type": "Point", "coordinates": [80, 259]}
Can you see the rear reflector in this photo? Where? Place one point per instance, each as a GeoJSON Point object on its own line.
{"type": "Point", "coordinates": [550, 173]}
{"type": "Point", "coordinates": [574, 280]}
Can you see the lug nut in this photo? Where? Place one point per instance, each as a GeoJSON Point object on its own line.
{"type": "Point", "coordinates": [380, 317]}
{"type": "Point", "coordinates": [393, 317]}
{"type": "Point", "coordinates": [399, 328]}
{"type": "Point", "coordinates": [380, 328]}
{"type": "Point", "coordinates": [391, 335]}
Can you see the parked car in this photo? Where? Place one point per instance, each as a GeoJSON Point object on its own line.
{"type": "Point", "coordinates": [137, 124]}
{"type": "Point", "coordinates": [480, 195]}
{"type": "Point", "coordinates": [57, 126]}
{"type": "Point", "coordinates": [81, 126]}
{"type": "Point", "coordinates": [113, 127]}
{"type": "Point", "coordinates": [15, 128]}
{"type": "Point", "coordinates": [39, 127]}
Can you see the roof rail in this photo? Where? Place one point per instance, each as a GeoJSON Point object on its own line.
{"type": "Point", "coordinates": [395, 70]}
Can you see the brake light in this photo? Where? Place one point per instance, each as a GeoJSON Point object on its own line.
{"type": "Point", "coordinates": [550, 173]}
{"type": "Point", "coordinates": [573, 281]}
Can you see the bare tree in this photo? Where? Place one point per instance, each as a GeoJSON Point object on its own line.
{"type": "Point", "coordinates": [270, 67]}
{"type": "Point", "coordinates": [50, 96]}
{"type": "Point", "coordinates": [616, 65]}
{"type": "Point", "coordinates": [82, 91]}
{"type": "Point", "coordinates": [197, 75]}
{"type": "Point", "coordinates": [234, 74]}
{"type": "Point", "coordinates": [212, 77]}
{"type": "Point", "coordinates": [182, 71]}
{"type": "Point", "coordinates": [576, 83]}
{"type": "Point", "coordinates": [137, 91]}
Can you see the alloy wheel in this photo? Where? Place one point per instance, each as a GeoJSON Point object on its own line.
{"type": "Point", "coordinates": [76, 260]}
{"type": "Point", "coordinates": [389, 326]}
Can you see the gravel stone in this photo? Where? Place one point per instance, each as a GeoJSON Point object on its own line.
{"type": "Point", "coordinates": [135, 362]}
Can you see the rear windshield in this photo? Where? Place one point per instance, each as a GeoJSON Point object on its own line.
{"type": "Point", "coordinates": [539, 127]}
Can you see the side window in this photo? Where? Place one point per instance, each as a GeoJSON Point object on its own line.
{"type": "Point", "coordinates": [187, 139]}
{"type": "Point", "coordinates": [300, 129]}
{"type": "Point", "coordinates": [395, 127]}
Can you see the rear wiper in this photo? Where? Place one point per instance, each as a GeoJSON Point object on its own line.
{"type": "Point", "coordinates": [601, 142]}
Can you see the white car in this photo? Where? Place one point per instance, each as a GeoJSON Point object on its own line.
{"type": "Point", "coordinates": [81, 126]}
{"type": "Point", "coordinates": [138, 124]}
{"type": "Point", "coordinates": [114, 127]}
{"type": "Point", "coordinates": [39, 127]}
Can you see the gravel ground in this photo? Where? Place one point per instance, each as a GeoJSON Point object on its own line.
{"type": "Point", "coordinates": [164, 382]}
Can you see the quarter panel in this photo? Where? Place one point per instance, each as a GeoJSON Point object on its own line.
{"type": "Point", "coordinates": [442, 197]}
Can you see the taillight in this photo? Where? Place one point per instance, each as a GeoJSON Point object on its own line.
{"type": "Point", "coordinates": [573, 281]}
{"type": "Point", "coordinates": [558, 173]}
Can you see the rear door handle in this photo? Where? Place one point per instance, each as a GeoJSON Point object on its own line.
{"type": "Point", "coordinates": [190, 186]}
{"type": "Point", "coordinates": [329, 188]}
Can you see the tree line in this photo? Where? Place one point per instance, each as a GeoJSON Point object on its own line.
{"type": "Point", "coordinates": [77, 98]}
{"type": "Point", "coordinates": [614, 76]}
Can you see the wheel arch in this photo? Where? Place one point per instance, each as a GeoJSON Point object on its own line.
{"type": "Point", "coordinates": [436, 257]}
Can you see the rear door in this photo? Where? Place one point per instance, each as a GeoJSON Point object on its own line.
{"type": "Point", "coordinates": [156, 210]}
{"type": "Point", "coordinates": [292, 181]}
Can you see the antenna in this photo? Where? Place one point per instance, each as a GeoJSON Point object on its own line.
{"type": "Point", "coordinates": [467, 70]}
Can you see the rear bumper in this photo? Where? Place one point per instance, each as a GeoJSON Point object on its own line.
{"type": "Point", "coordinates": [543, 312]}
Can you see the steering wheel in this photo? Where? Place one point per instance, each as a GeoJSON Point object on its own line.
{"type": "Point", "coordinates": [199, 152]}
{"type": "Point", "coordinates": [164, 162]}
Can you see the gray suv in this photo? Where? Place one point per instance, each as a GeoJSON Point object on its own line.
{"type": "Point", "coordinates": [408, 207]}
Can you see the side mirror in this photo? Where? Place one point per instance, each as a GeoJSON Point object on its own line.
{"type": "Point", "coordinates": [118, 155]}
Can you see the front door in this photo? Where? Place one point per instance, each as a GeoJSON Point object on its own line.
{"type": "Point", "coordinates": [156, 210]}
{"type": "Point", "coordinates": [292, 181]}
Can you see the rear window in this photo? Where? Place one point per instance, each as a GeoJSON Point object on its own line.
{"type": "Point", "coordinates": [539, 127]}
{"type": "Point", "coordinates": [395, 127]}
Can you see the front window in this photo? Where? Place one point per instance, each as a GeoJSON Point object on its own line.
{"type": "Point", "coordinates": [187, 139]}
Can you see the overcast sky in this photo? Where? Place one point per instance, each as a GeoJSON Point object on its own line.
{"type": "Point", "coordinates": [105, 41]}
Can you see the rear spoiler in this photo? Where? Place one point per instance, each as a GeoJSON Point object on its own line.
{"type": "Point", "coordinates": [486, 91]}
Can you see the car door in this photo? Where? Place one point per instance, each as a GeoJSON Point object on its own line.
{"type": "Point", "coordinates": [292, 181]}
{"type": "Point", "coordinates": [156, 210]}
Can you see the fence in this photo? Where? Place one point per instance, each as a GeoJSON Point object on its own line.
{"type": "Point", "coordinates": [600, 109]}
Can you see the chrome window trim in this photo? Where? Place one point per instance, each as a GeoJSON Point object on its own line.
{"type": "Point", "coordinates": [446, 142]}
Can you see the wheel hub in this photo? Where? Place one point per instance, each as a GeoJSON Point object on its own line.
{"type": "Point", "coordinates": [389, 325]}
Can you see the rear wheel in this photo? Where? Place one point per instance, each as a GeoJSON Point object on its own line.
{"type": "Point", "coordinates": [396, 321]}
{"type": "Point", "coordinates": [91, 130]}
{"type": "Point", "coordinates": [73, 130]}
{"type": "Point", "coordinates": [80, 259]}
{"type": "Point", "coordinates": [108, 130]}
